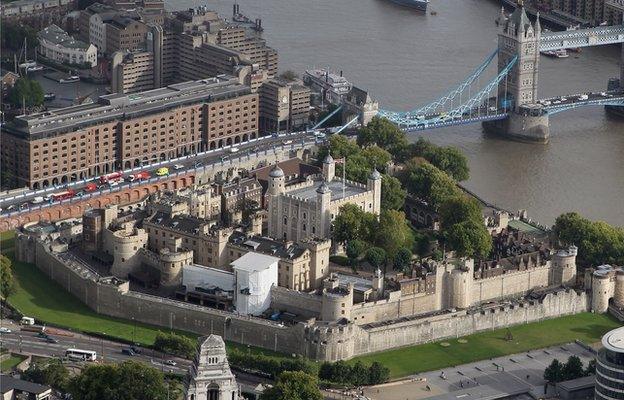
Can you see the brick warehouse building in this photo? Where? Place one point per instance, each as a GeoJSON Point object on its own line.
{"type": "Point", "coordinates": [124, 131]}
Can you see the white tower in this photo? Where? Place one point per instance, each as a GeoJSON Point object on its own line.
{"type": "Point", "coordinates": [210, 376]}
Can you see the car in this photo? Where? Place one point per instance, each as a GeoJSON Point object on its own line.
{"type": "Point", "coordinates": [90, 187]}
{"type": "Point", "coordinates": [50, 339]}
{"type": "Point", "coordinates": [171, 362]}
{"type": "Point", "coordinates": [563, 99]}
{"type": "Point", "coordinates": [136, 349]}
{"type": "Point", "coordinates": [37, 200]}
{"type": "Point", "coordinates": [224, 158]}
{"type": "Point", "coordinates": [162, 171]}
{"type": "Point", "coordinates": [198, 164]}
{"type": "Point", "coordinates": [178, 166]}
{"type": "Point", "coordinates": [287, 141]}
{"type": "Point", "coordinates": [11, 207]}
{"type": "Point", "coordinates": [4, 330]}
{"type": "Point", "coordinates": [80, 193]}
{"type": "Point", "coordinates": [42, 335]}
{"type": "Point", "coordinates": [128, 351]}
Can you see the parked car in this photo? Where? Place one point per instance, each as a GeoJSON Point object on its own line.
{"type": "Point", "coordinates": [178, 166]}
{"type": "Point", "coordinates": [171, 362]}
{"type": "Point", "coordinates": [128, 351]}
{"type": "Point", "coordinates": [4, 330]}
{"type": "Point", "coordinates": [50, 339]}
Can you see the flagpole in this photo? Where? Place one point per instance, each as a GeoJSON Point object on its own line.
{"type": "Point", "coordinates": [344, 169]}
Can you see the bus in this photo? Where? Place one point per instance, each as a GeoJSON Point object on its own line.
{"type": "Point", "coordinates": [112, 178]}
{"type": "Point", "coordinates": [84, 355]}
{"type": "Point", "coordinates": [64, 195]}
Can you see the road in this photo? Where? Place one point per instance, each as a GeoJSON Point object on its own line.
{"type": "Point", "coordinates": [107, 350]}
{"type": "Point", "coordinates": [16, 204]}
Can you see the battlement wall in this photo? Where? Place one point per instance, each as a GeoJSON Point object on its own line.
{"type": "Point", "coordinates": [373, 338]}
{"type": "Point", "coordinates": [511, 284]}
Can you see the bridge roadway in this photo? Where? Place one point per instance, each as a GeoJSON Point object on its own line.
{"type": "Point", "coordinates": [598, 36]}
{"type": "Point", "coordinates": [552, 105]}
{"type": "Point", "coordinates": [16, 204]}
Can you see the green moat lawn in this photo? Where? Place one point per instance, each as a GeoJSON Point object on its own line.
{"type": "Point", "coordinates": [44, 299]}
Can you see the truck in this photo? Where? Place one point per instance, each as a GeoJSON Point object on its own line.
{"type": "Point", "coordinates": [60, 196]}
{"type": "Point", "coordinates": [139, 176]}
{"type": "Point", "coordinates": [90, 187]}
{"type": "Point", "coordinates": [112, 178]}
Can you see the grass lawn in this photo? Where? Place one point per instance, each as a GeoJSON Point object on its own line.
{"type": "Point", "coordinates": [586, 327]}
{"type": "Point", "coordinates": [38, 296]}
{"type": "Point", "coordinates": [10, 363]}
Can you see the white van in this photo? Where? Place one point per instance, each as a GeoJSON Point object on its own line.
{"type": "Point", "coordinates": [27, 321]}
{"type": "Point", "coordinates": [37, 200]}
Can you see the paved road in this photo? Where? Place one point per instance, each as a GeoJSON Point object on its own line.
{"type": "Point", "coordinates": [107, 350]}
{"type": "Point", "coordinates": [13, 205]}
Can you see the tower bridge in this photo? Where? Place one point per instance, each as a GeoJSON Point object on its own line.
{"type": "Point", "coordinates": [508, 103]}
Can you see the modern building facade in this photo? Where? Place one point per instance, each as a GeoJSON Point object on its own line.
{"type": "Point", "coordinates": [284, 105]}
{"type": "Point", "coordinates": [132, 72]}
{"type": "Point", "coordinates": [56, 45]}
{"type": "Point", "coordinates": [121, 131]}
{"type": "Point", "coordinates": [610, 366]}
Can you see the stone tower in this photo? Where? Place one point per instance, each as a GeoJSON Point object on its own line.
{"type": "Point", "coordinates": [519, 37]}
{"type": "Point", "coordinates": [323, 201]}
{"type": "Point", "coordinates": [274, 193]}
{"type": "Point", "coordinates": [210, 375]}
{"type": "Point", "coordinates": [374, 183]}
{"type": "Point", "coordinates": [329, 168]}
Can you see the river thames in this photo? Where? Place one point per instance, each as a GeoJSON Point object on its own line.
{"type": "Point", "coordinates": [405, 59]}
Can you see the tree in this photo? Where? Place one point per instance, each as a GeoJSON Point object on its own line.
{"type": "Point", "coordinates": [7, 283]}
{"type": "Point", "coordinates": [402, 259]}
{"type": "Point", "coordinates": [26, 91]}
{"type": "Point", "coordinates": [293, 385]}
{"type": "Point", "coordinates": [591, 367]}
{"type": "Point", "coordinates": [355, 248]}
{"type": "Point", "coordinates": [469, 239]}
{"type": "Point", "coordinates": [352, 223]}
{"type": "Point", "coordinates": [13, 35]}
{"type": "Point", "coordinates": [130, 380]}
{"type": "Point", "coordinates": [428, 183]}
{"type": "Point", "coordinates": [572, 369]}
{"type": "Point", "coordinates": [450, 160]}
{"type": "Point", "coordinates": [359, 375]}
{"type": "Point", "coordinates": [393, 232]}
{"type": "Point", "coordinates": [376, 257]}
{"type": "Point", "coordinates": [381, 132]}
{"type": "Point", "coordinates": [52, 373]}
{"type": "Point", "coordinates": [339, 146]}
{"type": "Point", "coordinates": [392, 193]}
{"type": "Point", "coordinates": [377, 374]}
{"type": "Point", "coordinates": [598, 242]}
{"type": "Point", "coordinates": [554, 372]}
{"type": "Point", "coordinates": [459, 209]}
{"type": "Point", "coordinates": [173, 343]}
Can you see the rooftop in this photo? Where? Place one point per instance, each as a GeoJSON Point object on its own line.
{"type": "Point", "coordinates": [335, 186]}
{"type": "Point", "coordinates": [267, 245]}
{"type": "Point", "coordinates": [184, 223]}
{"type": "Point", "coordinates": [59, 37]}
{"type": "Point", "coordinates": [614, 340]}
{"type": "Point", "coordinates": [120, 107]}
{"type": "Point", "coordinates": [8, 383]}
{"type": "Point", "coordinates": [253, 262]}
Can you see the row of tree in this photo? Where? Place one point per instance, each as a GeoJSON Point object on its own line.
{"type": "Point", "coordinates": [356, 374]}
{"type": "Point", "coordinates": [598, 242]}
{"type": "Point", "coordinates": [572, 369]}
{"type": "Point", "coordinates": [7, 283]}
{"type": "Point", "coordinates": [175, 344]}
{"type": "Point", "coordinates": [129, 380]}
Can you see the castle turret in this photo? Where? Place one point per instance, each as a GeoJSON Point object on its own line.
{"type": "Point", "coordinates": [276, 181]}
{"type": "Point", "coordinates": [124, 245]}
{"type": "Point", "coordinates": [618, 294]}
{"type": "Point", "coordinates": [374, 183]}
{"type": "Point", "coordinates": [378, 284]}
{"type": "Point", "coordinates": [323, 196]}
{"type": "Point", "coordinates": [564, 266]}
{"type": "Point", "coordinates": [336, 301]}
{"type": "Point", "coordinates": [329, 168]}
{"type": "Point", "coordinates": [602, 290]}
